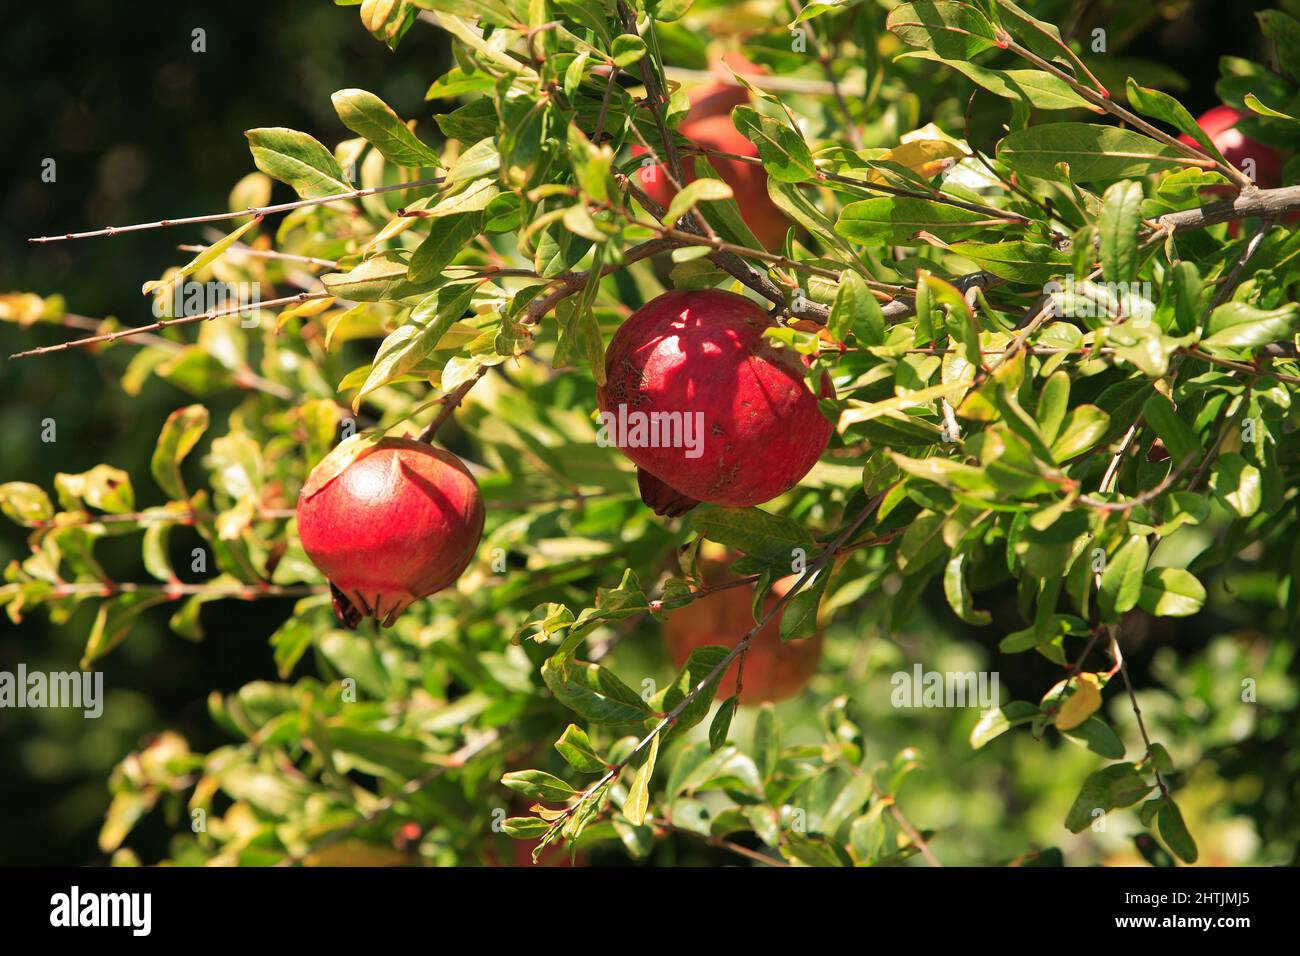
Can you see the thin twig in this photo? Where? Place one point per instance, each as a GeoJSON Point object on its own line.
{"type": "Point", "coordinates": [913, 834]}
{"type": "Point", "coordinates": [241, 213]}
{"type": "Point", "coordinates": [171, 323]}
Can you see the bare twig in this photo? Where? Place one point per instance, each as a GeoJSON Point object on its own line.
{"type": "Point", "coordinates": [171, 323]}
{"type": "Point", "coordinates": [241, 213]}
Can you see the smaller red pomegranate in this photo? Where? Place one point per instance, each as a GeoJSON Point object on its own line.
{"type": "Point", "coordinates": [708, 408]}
{"type": "Point", "coordinates": [1220, 124]}
{"type": "Point", "coordinates": [398, 522]}
{"type": "Point", "coordinates": [709, 125]}
{"type": "Point", "coordinates": [772, 670]}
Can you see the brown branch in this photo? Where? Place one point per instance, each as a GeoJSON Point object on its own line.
{"type": "Point", "coordinates": [176, 590]}
{"type": "Point", "coordinates": [719, 842]}
{"type": "Point", "coordinates": [913, 834]}
{"type": "Point", "coordinates": [240, 213]}
{"type": "Point", "coordinates": [239, 249]}
{"type": "Point", "coordinates": [171, 323]}
{"type": "Point", "coordinates": [1194, 156]}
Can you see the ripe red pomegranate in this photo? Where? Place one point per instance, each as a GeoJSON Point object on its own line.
{"type": "Point", "coordinates": [398, 523]}
{"type": "Point", "coordinates": [749, 427]}
{"type": "Point", "coordinates": [1220, 124]}
{"type": "Point", "coordinates": [709, 125]}
{"type": "Point", "coordinates": [773, 670]}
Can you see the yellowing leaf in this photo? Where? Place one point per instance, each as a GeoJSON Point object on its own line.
{"type": "Point", "coordinates": [1082, 704]}
{"type": "Point", "coordinates": [208, 255]}
{"type": "Point", "coordinates": [925, 157]}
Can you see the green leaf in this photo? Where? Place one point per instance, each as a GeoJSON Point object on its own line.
{"type": "Point", "coordinates": [1117, 227]}
{"type": "Point", "coordinates": [1083, 428]}
{"type": "Point", "coordinates": [627, 48]}
{"type": "Point", "coordinates": [1284, 30]}
{"type": "Point", "coordinates": [1175, 832]}
{"type": "Point", "coordinates": [180, 433]}
{"type": "Point", "coordinates": [1238, 325]}
{"type": "Point", "coordinates": [1092, 152]}
{"type": "Point", "coordinates": [799, 616]}
{"type": "Point", "coordinates": [370, 117]}
{"type": "Point", "coordinates": [767, 741]}
{"type": "Point", "coordinates": [702, 190]}
{"type": "Point", "coordinates": [856, 311]}
{"type": "Point", "coordinates": [1121, 582]}
{"type": "Point", "coordinates": [1179, 439]}
{"type": "Point", "coordinates": [25, 503]}
{"type": "Point", "coordinates": [721, 724]}
{"type": "Point", "coordinates": [538, 785]}
{"type": "Point", "coordinates": [1162, 106]}
{"type": "Point", "coordinates": [408, 345]}
{"type": "Point", "coordinates": [1119, 785]}
{"type": "Point", "coordinates": [1237, 483]}
{"type": "Point", "coordinates": [1171, 592]}
{"type": "Point", "coordinates": [575, 747]}
{"type": "Point", "coordinates": [698, 666]}
{"type": "Point", "coordinates": [768, 537]}
{"type": "Point", "coordinates": [993, 723]}
{"type": "Point", "coordinates": [638, 794]}
{"type": "Point", "coordinates": [475, 197]}
{"type": "Point", "coordinates": [448, 236]}
{"type": "Point", "coordinates": [1029, 262]}
{"type": "Point", "coordinates": [897, 218]}
{"type": "Point", "coordinates": [955, 31]}
{"type": "Point", "coordinates": [103, 487]}
{"type": "Point", "coordinates": [381, 278]}
{"type": "Point", "coordinates": [1032, 87]}
{"type": "Point", "coordinates": [524, 828]}
{"type": "Point", "coordinates": [957, 591]}
{"type": "Point", "coordinates": [113, 622]}
{"type": "Point", "coordinates": [1260, 108]}
{"type": "Point", "coordinates": [594, 692]}
{"type": "Point", "coordinates": [1099, 737]}
{"type": "Point", "coordinates": [206, 257]}
{"type": "Point", "coordinates": [785, 155]}
{"type": "Point", "coordinates": [1053, 401]}
{"type": "Point", "coordinates": [1188, 290]}
{"type": "Point", "coordinates": [297, 160]}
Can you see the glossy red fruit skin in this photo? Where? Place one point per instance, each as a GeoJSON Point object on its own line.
{"type": "Point", "coordinates": [704, 351]}
{"type": "Point", "coordinates": [773, 671]}
{"type": "Point", "coordinates": [399, 523]}
{"type": "Point", "coordinates": [1220, 124]}
{"type": "Point", "coordinates": [709, 125]}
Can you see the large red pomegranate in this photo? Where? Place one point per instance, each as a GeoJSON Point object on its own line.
{"type": "Point", "coordinates": [772, 670]}
{"type": "Point", "coordinates": [398, 523]}
{"type": "Point", "coordinates": [697, 364]}
{"type": "Point", "coordinates": [1220, 124]}
{"type": "Point", "coordinates": [709, 125]}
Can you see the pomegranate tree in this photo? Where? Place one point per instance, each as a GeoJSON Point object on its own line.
{"type": "Point", "coordinates": [700, 359]}
{"type": "Point", "coordinates": [399, 521]}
